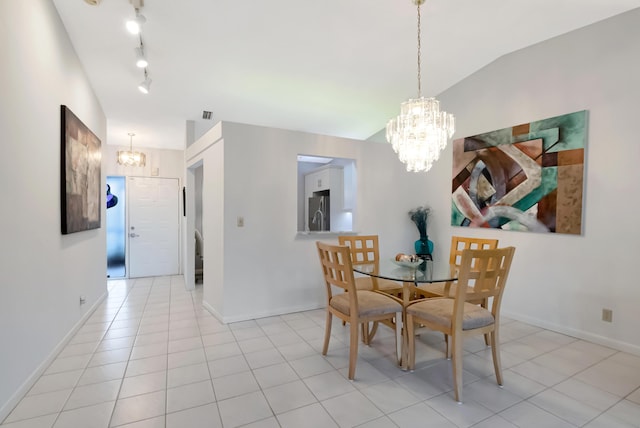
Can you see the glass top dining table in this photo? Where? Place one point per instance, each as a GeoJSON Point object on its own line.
{"type": "Point", "coordinates": [428, 271]}
{"type": "Point", "coordinates": [411, 277]}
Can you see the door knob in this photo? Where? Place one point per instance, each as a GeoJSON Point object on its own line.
{"type": "Point", "coordinates": [133, 235]}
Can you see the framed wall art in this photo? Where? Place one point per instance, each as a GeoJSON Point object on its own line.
{"type": "Point", "coordinates": [80, 175]}
{"type": "Point", "coordinates": [527, 177]}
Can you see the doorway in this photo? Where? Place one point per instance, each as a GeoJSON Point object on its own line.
{"type": "Point", "coordinates": [116, 227]}
{"type": "Point", "coordinates": [154, 226]}
{"type": "Point", "coordinates": [143, 226]}
{"type": "Point", "coordinates": [199, 232]}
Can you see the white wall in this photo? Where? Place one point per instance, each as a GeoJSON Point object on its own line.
{"type": "Point", "coordinates": [558, 281]}
{"type": "Point", "coordinates": [43, 272]}
{"type": "Point", "coordinates": [265, 267]}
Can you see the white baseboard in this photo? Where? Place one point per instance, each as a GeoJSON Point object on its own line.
{"type": "Point", "coordinates": [7, 407]}
{"type": "Point", "coordinates": [270, 313]}
{"type": "Point", "coordinates": [212, 311]}
{"type": "Point", "coordinates": [580, 334]}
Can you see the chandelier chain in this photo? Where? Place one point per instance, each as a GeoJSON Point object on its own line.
{"type": "Point", "coordinates": [419, 59]}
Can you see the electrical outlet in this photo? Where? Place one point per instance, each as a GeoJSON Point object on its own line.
{"type": "Point", "coordinates": [240, 221]}
{"type": "Point", "coordinates": [607, 315]}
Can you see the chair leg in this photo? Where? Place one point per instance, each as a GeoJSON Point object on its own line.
{"type": "Point", "coordinates": [327, 332]}
{"type": "Point", "coordinates": [399, 340]}
{"type": "Point", "coordinates": [353, 349]}
{"type": "Point", "coordinates": [411, 340]}
{"type": "Point", "coordinates": [447, 348]}
{"type": "Point", "coordinates": [487, 341]}
{"type": "Point", "coordinates": [457, 366]}
{"type": "Point", "coordinates": [365, 333]}
{"type": "Point", "coordinates": [495, 352]}
{"type": "Point", "coordinates": [372, 332]}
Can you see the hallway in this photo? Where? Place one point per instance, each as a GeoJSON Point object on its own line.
{"type": "Point", "coordinates": [151, 357]}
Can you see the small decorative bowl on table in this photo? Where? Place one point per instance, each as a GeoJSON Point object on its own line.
{"type": "Point", "coordinates": [411, 261]}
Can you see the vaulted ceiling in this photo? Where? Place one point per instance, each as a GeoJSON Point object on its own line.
{"type": "Point", "coordinates": [335, 67]}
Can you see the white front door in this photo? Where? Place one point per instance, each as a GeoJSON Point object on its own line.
{"type": "Point", "coordinates": [154, 224]}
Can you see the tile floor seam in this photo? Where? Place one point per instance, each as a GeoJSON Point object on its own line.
{"type": "Point", "coordinates": [528, 400]}
{"type": "Point", "coordinates": [165, 295]}
{"type": "Point", "coordinates": [124, 375]}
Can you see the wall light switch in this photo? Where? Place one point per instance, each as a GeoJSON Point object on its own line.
{"type": "Point", "coordinates": [240, 221]}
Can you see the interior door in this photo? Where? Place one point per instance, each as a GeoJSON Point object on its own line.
{"type": "Point", "coordinates": [154, 214]}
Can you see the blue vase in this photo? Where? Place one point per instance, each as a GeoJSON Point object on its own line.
{"type": "Point", "coordinates": [423, 247]}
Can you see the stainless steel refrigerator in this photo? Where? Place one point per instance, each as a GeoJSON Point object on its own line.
{"type": "Point", "coordinates": [319, 214]}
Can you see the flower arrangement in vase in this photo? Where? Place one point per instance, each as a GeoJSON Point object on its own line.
{"type": "Point", "coordinates": [423, 246]}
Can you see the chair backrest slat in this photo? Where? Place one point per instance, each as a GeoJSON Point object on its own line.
{"type": "Point", "coordinates": [485, 272]}
{"type": "Point", "coordinates": [364, 248]}
{"type": "Point", "coordinates": [461, 243]}
{"type": "Point", "coordinates": [337, 268]}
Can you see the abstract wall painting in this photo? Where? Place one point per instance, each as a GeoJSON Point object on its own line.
{"type": "Point", "coordinates": [80, 182]}
{"type": "Point", "coordinates": [527, 177]}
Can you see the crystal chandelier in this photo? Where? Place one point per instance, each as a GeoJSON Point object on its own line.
{"type": "Point", "coordinates": [421, 131]}
{"type": "Point", "coordinates": [129, 157]}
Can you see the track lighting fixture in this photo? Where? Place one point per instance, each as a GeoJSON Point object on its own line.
{"type": "Point", "coordinates": [145, 84]}
{"type": "Point", "coordinates": [135, 25]}
{"type": "Point", "coordinates": [141, 59]}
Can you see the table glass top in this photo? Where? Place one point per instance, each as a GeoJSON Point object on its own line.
{"type": "Point", "coordinates": [427, 271]}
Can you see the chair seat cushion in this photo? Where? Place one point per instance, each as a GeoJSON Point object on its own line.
{"type": "Point", "coordinates": [440, 312]}
{"type": "Point", "coordinates": [370, 303]}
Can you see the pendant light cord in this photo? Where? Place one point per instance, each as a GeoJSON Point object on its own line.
{"type": "Point", "coordinates": [419, 46]}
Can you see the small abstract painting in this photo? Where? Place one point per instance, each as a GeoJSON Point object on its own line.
{"type": "Point", "coordinates": [527, 177]}
{"type": "Point", "coordinates": [80, 183]}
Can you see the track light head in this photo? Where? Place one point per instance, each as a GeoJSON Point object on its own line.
{"type": "Point", "coordinates": [144, 85]}
{"type": "Point", "coordinates": [141, 59]}
{"type": "Point", "coordinates": [135, 25]}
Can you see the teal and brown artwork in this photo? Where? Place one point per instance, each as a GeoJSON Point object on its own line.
{"type": "Point", "coordinates": [527, 177]}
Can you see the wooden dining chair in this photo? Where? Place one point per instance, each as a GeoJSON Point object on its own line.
{"type": "Point", "coordinates": [482, 275]}
{"type": "Point", "coordinates": [364, 250]}
{"type": "Point", "coordinates": [355, 307]}
{"type": "Point", "coordinates": [458, 245]}
{"type": "Point", "coordinates": [438, 289]}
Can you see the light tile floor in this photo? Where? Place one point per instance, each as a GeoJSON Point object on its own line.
{"type": "Point", "coordinates": [151, 357]}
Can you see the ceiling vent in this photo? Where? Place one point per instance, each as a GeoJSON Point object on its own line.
{"type": "Point", "coordinates": [206, 115]}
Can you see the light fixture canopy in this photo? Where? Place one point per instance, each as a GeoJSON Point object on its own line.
{"type": "Point", "coordinates": [421, 131]}
{"type": "Point", "coordinates": [131, 157]}
{"type": "Point", "coordinates": [141, 58]}
{"type": "Point", "coordinates": [134, 26]}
